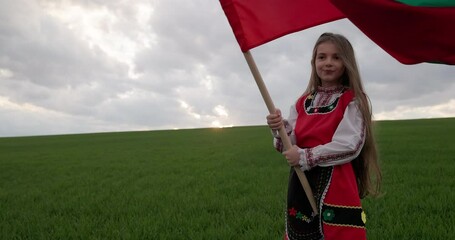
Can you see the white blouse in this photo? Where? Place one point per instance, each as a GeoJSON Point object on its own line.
{"type": "Point", "coordinates": [347, 141]}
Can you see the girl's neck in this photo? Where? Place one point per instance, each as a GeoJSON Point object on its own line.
{"type": "Point", "coordinates": [330, 88]}
{"type": "Point", "coordinates": [330, 84]}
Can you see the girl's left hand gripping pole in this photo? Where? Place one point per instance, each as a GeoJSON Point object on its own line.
{"type": "Point", "coordinates": [284, 136]}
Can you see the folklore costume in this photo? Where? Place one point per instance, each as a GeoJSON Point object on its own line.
{"type": "Point", "coordinates": [328, 128]}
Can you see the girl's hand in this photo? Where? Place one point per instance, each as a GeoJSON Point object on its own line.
{"type": "Point", "coordinates": [293, 156]}
{"type": "Point", "coordinates": [274, 120]}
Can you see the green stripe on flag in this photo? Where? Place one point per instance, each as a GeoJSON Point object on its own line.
{"type": "Point", "coordinates": [429, 3]}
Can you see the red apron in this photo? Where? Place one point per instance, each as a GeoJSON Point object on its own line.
{"type": "Point", "coordinates": [335, 188]}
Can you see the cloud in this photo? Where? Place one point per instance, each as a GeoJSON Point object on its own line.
{"type": "Point", "coordinates": [90, 66]}
{"type": "Point", "coordinates": [443, 110]}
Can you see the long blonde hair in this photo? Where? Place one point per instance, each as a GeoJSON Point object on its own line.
{"type": "Point", "coordinates": [366, 166]}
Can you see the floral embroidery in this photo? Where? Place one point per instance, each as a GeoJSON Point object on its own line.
{"type": "Point", "coordinates": [299, 216]}
{"type": "Point", "coordinates": [328, 215]}
{"type": "Point", "coordinates": [364, 217]}
{"type": "Point", "coordinates": [292, 212]}
{"type": "Point", "coordinates": [306, 219]}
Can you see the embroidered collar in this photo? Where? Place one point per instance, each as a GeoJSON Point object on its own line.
{"type": "Point", "coordinates": [330, 90]}
{"type": "Point", "coordinates": [327, 91]}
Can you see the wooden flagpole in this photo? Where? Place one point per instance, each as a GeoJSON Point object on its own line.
{"type": "Point", "coordinates": [284, 136]}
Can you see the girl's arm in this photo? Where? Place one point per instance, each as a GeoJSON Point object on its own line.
{"type": "Point", "coordinates": [345, 146]}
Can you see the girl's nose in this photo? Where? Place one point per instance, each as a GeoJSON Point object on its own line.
{"type": "Point", "coordinates": [329, 62]}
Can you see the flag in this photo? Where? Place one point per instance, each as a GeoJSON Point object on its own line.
{"type": "Point", "coordinates": [255, 22]}
{"type": "Point", "coordinates": [411, 31]}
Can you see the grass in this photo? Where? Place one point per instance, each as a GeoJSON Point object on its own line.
{"type": "Point", "coordinates": [418, 162]}
{"type": "Point", "coordinates": [207, 184]}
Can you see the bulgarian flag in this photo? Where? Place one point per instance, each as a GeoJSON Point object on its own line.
{"type": "Point", "coordinates": [411, 31]}
{"type": "Point", "coordinates": [255, 22]}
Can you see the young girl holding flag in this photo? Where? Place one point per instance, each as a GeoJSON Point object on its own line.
{"type": "Point", "coordinates": [330, 125]}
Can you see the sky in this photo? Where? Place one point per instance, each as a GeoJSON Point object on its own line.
{"type": "Point", "coordinates": [79, 66]}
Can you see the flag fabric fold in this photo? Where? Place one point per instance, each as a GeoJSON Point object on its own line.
{"type": "Point", "coordinates": [255, 22]}
{"type": "Point", "coordinates": [411, 31]}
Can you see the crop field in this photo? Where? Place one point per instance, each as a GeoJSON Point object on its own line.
{"type": "Point", "coordinates": [208, 184]}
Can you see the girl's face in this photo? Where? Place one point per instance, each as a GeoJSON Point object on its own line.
{"type": "Point", "coordinates": [329, 65]}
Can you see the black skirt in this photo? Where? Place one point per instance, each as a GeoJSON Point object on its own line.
{"type": "Point", "coordinates": [301, 223]}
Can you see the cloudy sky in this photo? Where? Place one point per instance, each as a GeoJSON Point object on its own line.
{"type": "Point", "coordinates": [79, 66]}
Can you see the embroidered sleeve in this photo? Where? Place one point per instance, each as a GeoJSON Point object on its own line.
{"type": "Point", "coordinates": [289, 125]}
{"type": "Point", "coordinates": [345, 146]}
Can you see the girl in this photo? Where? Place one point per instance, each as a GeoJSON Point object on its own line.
{"type": "Point", "coordinates": [330, 125]}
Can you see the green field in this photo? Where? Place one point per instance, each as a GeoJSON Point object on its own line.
{"type": "Point", "coordinates": [208, 184]}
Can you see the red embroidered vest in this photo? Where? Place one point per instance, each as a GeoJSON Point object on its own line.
{"type": "Point", "coordinates": [317, 125]}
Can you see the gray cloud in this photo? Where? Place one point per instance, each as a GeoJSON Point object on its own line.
{"type": "Point", "coordinates": [93, 66]}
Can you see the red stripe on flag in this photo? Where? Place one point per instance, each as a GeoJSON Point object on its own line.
{"type": "Point", "coordinates": [255, 22]}
{"type": "Point", "coordinates": [409, 34]}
